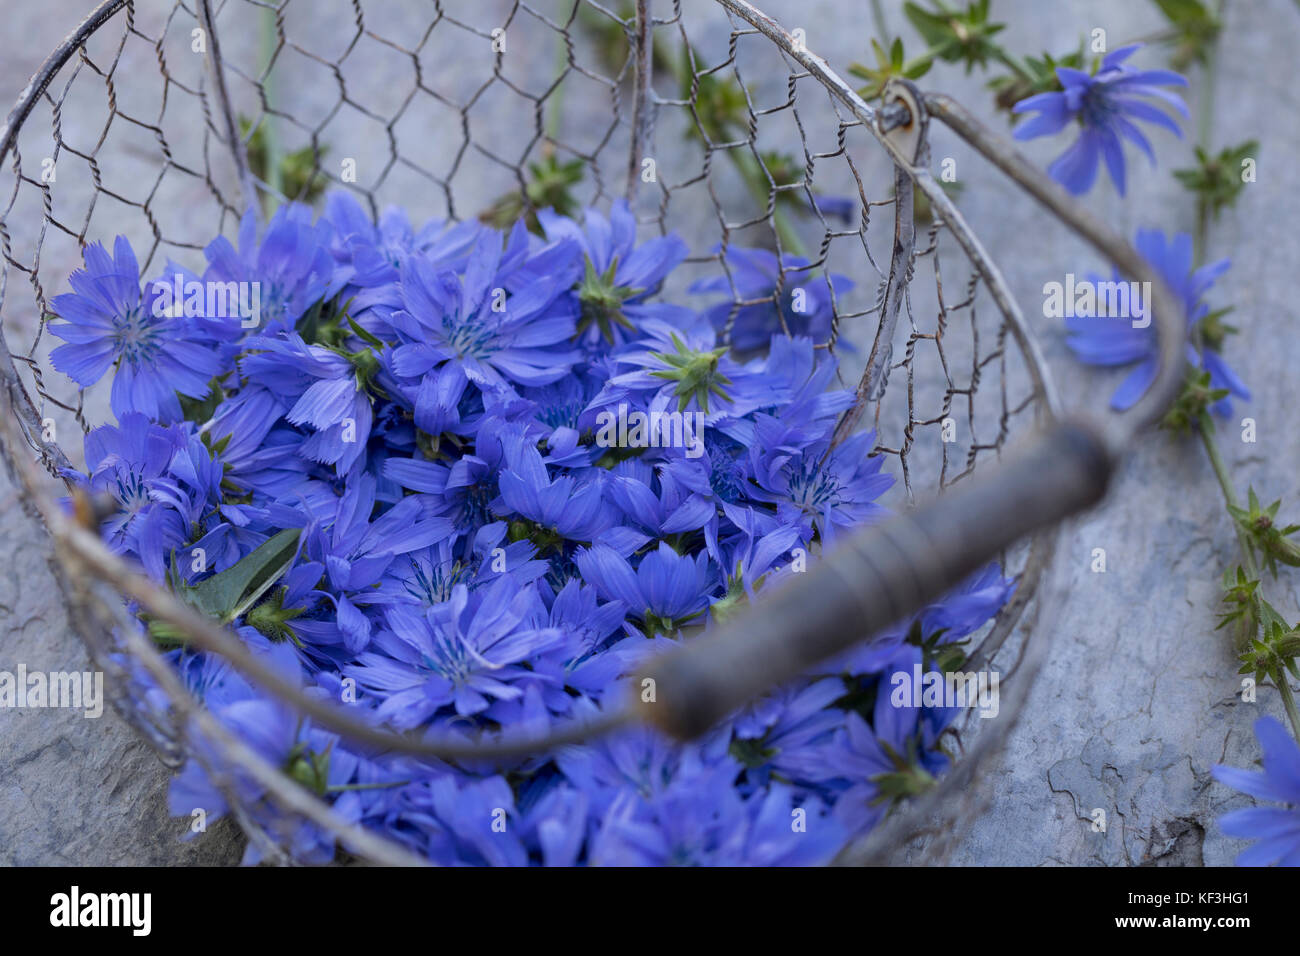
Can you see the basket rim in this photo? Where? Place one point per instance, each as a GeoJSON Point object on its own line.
{"type": "Point", "coordinates": [20, 414]}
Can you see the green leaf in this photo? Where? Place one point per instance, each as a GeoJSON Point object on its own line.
{"type": "Point", "coordinates": [322, 324]}
{"type": "Point", "coordinates": [695, 372]}
{"type": "Point", "coordinates": [601, 299]}
{"type": "Point", "coordinates": [1194, 30]}
{"type": "Point", "coordinates": [889, 64]}
{"type": "Point", "coordinates": [200, 410]}
{"type": "Point", "coordinates": [919, 70]}
{"type": "Point", "coordinates": [1269, 616]}
{"type": "Point", "coordinates": [1260, 527]}
{"type": "Point", "coordinates": [308, 324]}
{"type": "Point", "coordinates": [365, 336]}
{"type": "Point", "coordinates": [1191, 408]}
{"type": "Point", "coordinates": [300, 177]}
{"type": "Point", "coordinates": [933, 28]}
{"type": "Point", "coordinates": [957, 36]}
{"type": "Point", "coordinates": [228, 594]}
{"type": "Point", "coordinates": [1217, 180]}
{"type": "Point", "coordinates": [549, 186]}
{"type": "Point", "coordinates": [1031, 76]}
{"type": "Point", "coordinates": [272, 618]}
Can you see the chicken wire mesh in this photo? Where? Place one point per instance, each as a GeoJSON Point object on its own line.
{"type": "Point", "coordinates": [156, 120]}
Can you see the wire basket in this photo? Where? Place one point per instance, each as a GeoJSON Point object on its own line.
{"type": "Point", "coordinates": [154, 120]}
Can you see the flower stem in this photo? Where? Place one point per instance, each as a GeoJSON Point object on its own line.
{"type": "Point", "coordinates": [1288, 701]}
{"type": "Point", "coordinates": [1229, 496]}
{"type": "Point", "coordinates": [1205, 123]}
{"type": "Point", "coordinates": [878, 17]}
{"type": "Point", "coordinates": [274, 172]}
{"type": "Point", "coordinates": [759, 187]}
{"type": "Point", "coordinates": [556, 113]}
{"type": "Point", "coordinates": [1248, 560]}
{"type": "Point", "coordinates": [1205, 132]}
{"type": "Point", "coordinates": [1010, 63]}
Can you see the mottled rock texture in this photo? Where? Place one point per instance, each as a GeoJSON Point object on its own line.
{"type": "Point", "coordinates": [1137, 700]}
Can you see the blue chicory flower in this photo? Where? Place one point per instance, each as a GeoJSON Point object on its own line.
{"type": "Point", "coordinates": [474, 556]}
{"type": "Point", "coordinates": [1276, 829]}
{"type": "Point", "coordinates": [1106, 105]}
{"type": "Point", "coordinates": [754, 311]}
{"type": "Point", "coordinates": [502, 323]}
{"type": "Point", "coordinates": [665, 590]}
{"type": "Point", "coordinates": [1111, 341]}
{"type": "Point", "coordinates": [109, 322]}
{"type": "Point", "coordinates": [291, 265]}
{"type": "Point", "coordinates": [464, 655]}
{"type": "Point", "coordinates": [619, 275]}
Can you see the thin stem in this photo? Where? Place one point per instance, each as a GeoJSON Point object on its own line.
{"type": "Point", "coordinates": [938, 50]}
{"type": "Point", "coordinates": [878, 17]}
{"type": "Point", "coordinates": [270, 138]}
{"type": "Point", "coordinates": [1205, 123]}
{"type": "Point", "coordinates": [1160, 36]}
{"type": "Point", "coordinates": [750, 172]}
{"type": "Point", "coordinates": [1248, 558]}
{"type": "Point", "coordinates": [1229, 495]}
{"type": "Point", "coordinates": [1288, 701]}
{"type": "Point", "coordinates": [1204, 133]}
{"type": "Point", "coordinates": [761, 191]}
{"type": "Point", "coordinates": [556, 113]}
{"type": "Point", "coordinates": [1010, 63]}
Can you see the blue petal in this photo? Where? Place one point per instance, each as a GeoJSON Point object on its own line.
{"type": "Point", "coordinates": [1076, 168]}
{"type": "Point", "coordinates": [1134, 386]}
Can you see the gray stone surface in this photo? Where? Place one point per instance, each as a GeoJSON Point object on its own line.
{"type": "Point", "coordinates": [1137, 700]}
{"type": "Point", "coordinates": [74, 790]}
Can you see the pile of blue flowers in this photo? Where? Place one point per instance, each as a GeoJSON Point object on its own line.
{"type": "Point", "coordinates": [404, 445]}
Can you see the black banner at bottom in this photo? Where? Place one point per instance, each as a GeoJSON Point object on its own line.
{"type": "Point", "coordinates": [342, 905]}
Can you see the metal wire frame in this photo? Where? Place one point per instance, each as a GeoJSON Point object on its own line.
{"type": "Point", "coordinates": [228, 180]}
